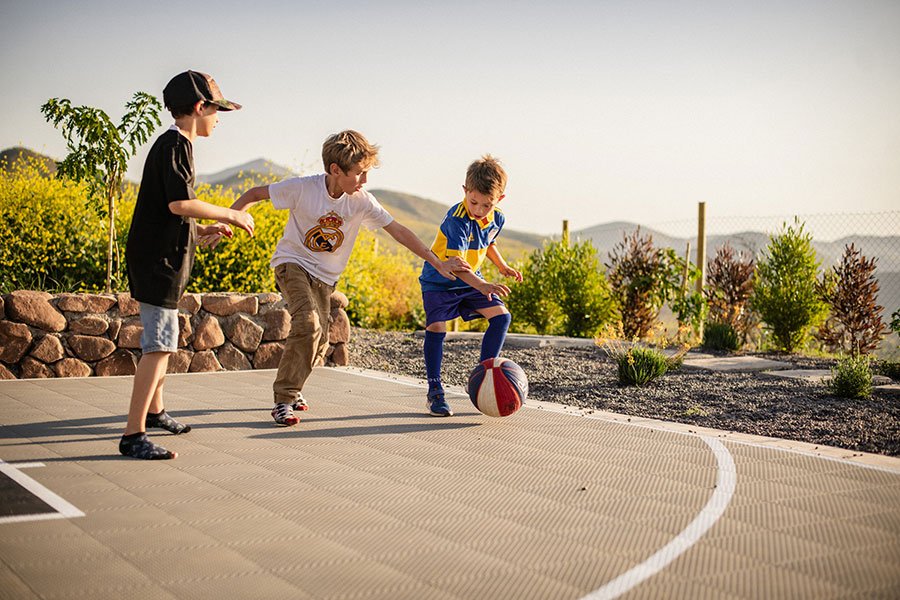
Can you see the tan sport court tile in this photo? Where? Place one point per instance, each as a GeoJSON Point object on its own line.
{"type": "Point", "coordinates": [371, 498]}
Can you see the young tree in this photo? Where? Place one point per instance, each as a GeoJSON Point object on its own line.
{"type": "Point", "coordinates": [850, 289]}
{"type": "Point", "coordinates": [784, 287]}
{"type": "Point", "coordinates": [99, 151]}
{"type": "Point", "coordinates": [643, 278]}
{"type": "Point", "coordinates": [729, 285]}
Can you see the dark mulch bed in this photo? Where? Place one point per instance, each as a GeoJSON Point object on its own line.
{"type": "Point", "coordinates": [743, 402]}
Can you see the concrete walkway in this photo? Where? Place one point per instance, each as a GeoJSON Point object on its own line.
{"type": "Point", "coordinates": [369, 497]}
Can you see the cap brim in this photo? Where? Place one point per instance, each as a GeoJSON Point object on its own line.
{"type": "Point", "coordinates": [226, 104]}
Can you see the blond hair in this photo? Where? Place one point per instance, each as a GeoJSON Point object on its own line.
{"type": "Point", "coordinates": [486, 176]}
{"type": "Point", "coordinates": [347, 149]}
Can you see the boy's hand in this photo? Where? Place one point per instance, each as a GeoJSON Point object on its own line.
{"type": "Point", "coordinates": [493, 289]}
{"type": "Point", "coordinates": [457, 263]}
{"type": "Point", "coordinates": [242, 219]}
{"type": "Point", "coordinates": [454, 263]}
{"type": "Point", "coordinates": [211, 235]}
{"type": "Point", "coordinates": [508, 271]}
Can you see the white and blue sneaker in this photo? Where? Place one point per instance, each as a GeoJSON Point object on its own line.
{"type": "Point", "coordinates": [437, 405]}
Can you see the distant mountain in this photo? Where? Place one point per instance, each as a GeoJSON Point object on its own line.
{"type": "Point", "coordinates": [10, 156]}
{"type": "Point", "coordinates": [234, 177]}
{"type": "Point", "coordinates": [422, 216]}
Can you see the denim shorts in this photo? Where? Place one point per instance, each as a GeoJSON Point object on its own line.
{"type": "Point", "coordinates": [160, 329]}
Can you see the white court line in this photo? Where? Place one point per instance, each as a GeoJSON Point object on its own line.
{"type": "Point", "coordinates": [715, 507]}
{"type": "Point", "coordinates": [63, 509]}
{"type": "Point", "coordinates": [726, 480]}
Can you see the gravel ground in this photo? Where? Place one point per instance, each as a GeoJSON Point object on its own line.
{"type": "Point", "coordinates": [744, 402]}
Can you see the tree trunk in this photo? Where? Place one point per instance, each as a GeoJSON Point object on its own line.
{"type": "Point", "coordinates": [110, 194]}
{"type": "Point", "coordinates": [109, 250]}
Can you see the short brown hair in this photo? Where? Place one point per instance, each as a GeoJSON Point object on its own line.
{"type": "Point", "coordinates": [186, 111]}
{"type": "Point", "coordinates": [182, 111]}
{"type": "Point", "coordinates": [486, 176]}
{"type": "Point", "coordinates": [348, 148]}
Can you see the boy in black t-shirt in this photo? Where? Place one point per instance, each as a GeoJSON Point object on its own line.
{"type": "Point", "coordinates": [159, 253]}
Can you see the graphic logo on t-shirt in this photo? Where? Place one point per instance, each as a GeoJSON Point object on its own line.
{"type": "Point", "coordinates": [327, 237]}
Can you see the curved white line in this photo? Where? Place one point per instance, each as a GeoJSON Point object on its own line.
{"type": "Point", "coordinates": [726, 479]}
{"type": "Point", "coordinates": [718, 502]}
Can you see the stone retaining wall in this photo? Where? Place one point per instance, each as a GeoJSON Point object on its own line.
{"type": "Point", "coordinates": [79, 335]}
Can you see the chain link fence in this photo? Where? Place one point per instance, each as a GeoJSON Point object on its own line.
{"type": "Point", "coordinates": [874, 234]}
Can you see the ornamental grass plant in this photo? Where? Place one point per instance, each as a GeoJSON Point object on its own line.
{"type": "Point", "coordinates": [638, 363]}
{"type": "Point", "coordinates": [721, 336]}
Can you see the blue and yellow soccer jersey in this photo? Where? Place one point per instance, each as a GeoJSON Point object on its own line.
{"type": "Point", "coordinates": [465, 236]}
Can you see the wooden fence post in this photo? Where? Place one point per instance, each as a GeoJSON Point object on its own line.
{"type": "Point", "coordinates": [701, 252]}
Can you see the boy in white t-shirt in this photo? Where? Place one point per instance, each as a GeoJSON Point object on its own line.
{"type": "Point", "coordinates": [326, 212]}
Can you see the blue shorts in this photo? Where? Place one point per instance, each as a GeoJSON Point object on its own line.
{"type": "Point", "coordinates": [160, 329]}
{"type": "Point", "coordinates": [462, 302]}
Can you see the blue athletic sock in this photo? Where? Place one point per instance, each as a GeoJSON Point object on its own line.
{"type": "Point", "coordinates": [434, 356]}
{"type": "Point", "coordinates": [495, 336]}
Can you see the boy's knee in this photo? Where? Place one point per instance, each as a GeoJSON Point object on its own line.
{"type": "Point", "coordinates": [502, 320]}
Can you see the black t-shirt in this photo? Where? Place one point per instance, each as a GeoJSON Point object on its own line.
{"type": "Point", "coordinates": [159, 253]}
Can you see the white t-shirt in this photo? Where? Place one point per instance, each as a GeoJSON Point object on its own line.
{"type": "Point", "coordinates": [320, 231]}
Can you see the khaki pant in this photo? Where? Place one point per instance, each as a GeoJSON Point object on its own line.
{"type": "Point", "coordinates": [309, 304]}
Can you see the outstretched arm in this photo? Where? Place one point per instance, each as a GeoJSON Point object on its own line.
{"type": "Point", "coordinates": [485, 287]}
{"type": "Point", "coordinates": [409, 239]}
{"type": "Point", "coordinates": [252, 196]}
{"type": "Point", "coordinates": [211, 235]}
{"type": "Point", "coordinates": [199, 209]}
{"type": "Point", "coordinates": [493, 254]}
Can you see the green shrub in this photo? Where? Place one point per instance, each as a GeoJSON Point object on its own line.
{"type": "Point", "coordinates": [563, 292]}
{"type": "Point", "coordinates": [851, 378]}
{"type": "Point", "coordinates": [721, 336]}
{"type": "Point", "coordinates": [784, 289]}
{"type": "Point", "coordinates": [895, 321]}
{"type": "Point", "coordinates": [888, 368]}
{"type": "Point", "coordinates": [54, 240]}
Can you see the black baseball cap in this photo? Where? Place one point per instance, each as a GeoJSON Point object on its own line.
{"type": "Point", "coordinates": [191, 86]}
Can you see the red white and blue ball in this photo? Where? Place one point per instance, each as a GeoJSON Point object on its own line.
{"type": "Point", "coordinates": [498, 387]}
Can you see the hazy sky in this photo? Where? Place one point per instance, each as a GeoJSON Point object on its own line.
{"type": "Point", "coordinates": [600, 111]}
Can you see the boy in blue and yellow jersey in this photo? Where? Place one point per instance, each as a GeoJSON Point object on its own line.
{"type": "Point", "coordinates": [468, 231]}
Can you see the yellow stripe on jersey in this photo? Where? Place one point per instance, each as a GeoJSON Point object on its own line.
{"type": "Point", "coordinates": [473, 256]}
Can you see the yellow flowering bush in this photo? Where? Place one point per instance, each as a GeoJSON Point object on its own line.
{"type": "Point", "coordinates": [382, 286]}
{"type": "Point", "coordinates": [51, 238]}
{"type": "Point", "coordinates": [239, 264]}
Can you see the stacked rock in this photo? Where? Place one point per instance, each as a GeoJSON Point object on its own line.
{"type": "Point", "coordinates": [79, 335]}
{"type": "Point", "coordinates": [338, 332]}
